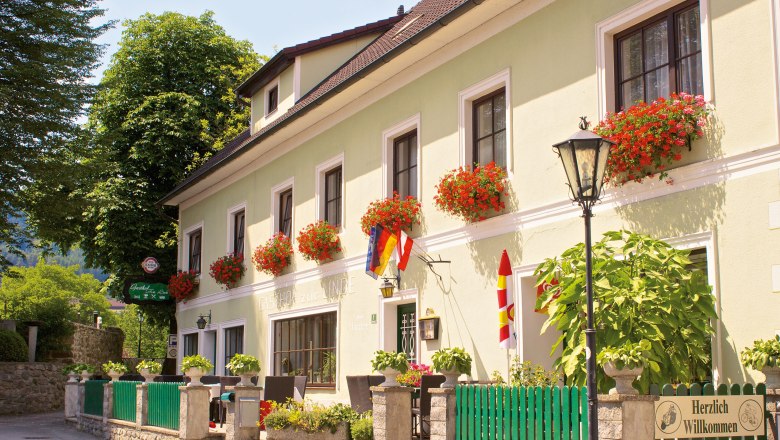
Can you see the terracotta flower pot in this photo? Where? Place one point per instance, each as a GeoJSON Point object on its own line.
{"type": "Point", "coordinates": [624, 378]}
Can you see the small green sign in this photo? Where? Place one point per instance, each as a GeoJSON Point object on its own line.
{"type": "Point", "coordinates": [149, 291]}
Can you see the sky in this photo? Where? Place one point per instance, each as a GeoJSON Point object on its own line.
{"type": "Point", "coordinates": [269, 25]}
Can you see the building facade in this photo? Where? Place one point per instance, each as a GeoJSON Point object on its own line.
{"type": "Point", "coordinates": [347, 119]}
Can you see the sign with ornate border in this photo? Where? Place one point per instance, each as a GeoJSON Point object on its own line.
{"type": "Point", "coordinates": [709, 416]}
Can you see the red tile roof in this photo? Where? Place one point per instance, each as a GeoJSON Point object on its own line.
{"type": "Point", "coordinates": [422, 20]}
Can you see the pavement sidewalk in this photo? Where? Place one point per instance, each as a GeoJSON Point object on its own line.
{"type": "Point", "coordinates": [47, 426]}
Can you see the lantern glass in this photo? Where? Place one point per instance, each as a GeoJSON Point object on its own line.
{"type": "Point", "coordinates": [387, 289]}
{"type": "Point", "coordinates": [201, 323]}
{"type": "Point", "coordinates": [584, 156]}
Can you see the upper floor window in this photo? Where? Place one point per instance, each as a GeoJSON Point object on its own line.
{"type": "Point", "coordinates": [272, 100]}
{"type": "Point", "coordinates": [333, 196]}
{"type": "Point", "coordinates": [489, 129]}
{"type": "Point", "coordinates": [238, 232]}
{"type": "Point", "coordinates": [285, 212]}
{"type": "Point", "coordinates": [405, 164]}
{"type": "Point", "coordinates": [194, 250]}
{"type": "Point", "coordinates": [660, 56]}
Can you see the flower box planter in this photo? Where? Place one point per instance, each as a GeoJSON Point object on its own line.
{"type": "Point", "coordinates": [228, 270]}
{"type": "Point", "coordinates": [319, 242]}
{"type": "Point", "coordinates": [342, 433]}
{"type": "Point", "coordinates": [274, 256]}
{"type": "Point", "coordinates": [472, 195]}
{"type": "Point", "coordinates": [392, 213]}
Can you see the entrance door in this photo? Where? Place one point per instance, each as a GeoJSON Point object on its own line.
{"type": "Point", "coordinates": [407, 331]}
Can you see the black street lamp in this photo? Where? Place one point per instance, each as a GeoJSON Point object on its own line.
{"type": "Point", "coordinates": [584, 156]}
{"type": "Point", "coordinates": [140, 323]}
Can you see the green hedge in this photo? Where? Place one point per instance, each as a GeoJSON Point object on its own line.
{"type": "Point", "coordinates": [12, 347]}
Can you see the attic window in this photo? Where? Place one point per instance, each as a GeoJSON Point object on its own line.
{"type": "Point", "coordinates": [407, 25]}
{"type": "Point", "coordinates": [272, 100]}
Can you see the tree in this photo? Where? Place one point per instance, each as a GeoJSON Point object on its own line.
{"type": "Point", "coordinates": [165, 103]}
{"type": "Point", "coordinates": [154, 337]}
{"type": "Point", "coordinates": [643, 289]}
{"type": "Point", "coordinates": [56, 296]}
{"type": "Point", "coordinates": [47, 51]}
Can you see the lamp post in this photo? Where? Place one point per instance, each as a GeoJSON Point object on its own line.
{"type": "Point", "coordinates": [140, 323]}
{"type": "Point", "coordinates": [584, 156]}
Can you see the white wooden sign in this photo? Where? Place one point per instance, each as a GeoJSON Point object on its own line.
{"type": "Point", "coordinates": [709, 416]}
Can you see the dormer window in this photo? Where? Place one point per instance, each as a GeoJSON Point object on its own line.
{"type": "Point", "coordinates": [272, 100]}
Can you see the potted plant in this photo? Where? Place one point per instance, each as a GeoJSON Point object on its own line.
{"type": "Point", "coordinates": [650, 137]}
{"type": "Point", "coordinates": [149, 369]}
{"type": "Point", "coordinates": [228, 270]}
{"type": "Point", "coordinates": [471, 194]}
{"type": "Point", "coordinates": [764, 356]}
{"type": "Point", "coordinates": [195, 366]}
{"type": "Point", "coordinates": [319, 241]}
{"type": "Point", "coordinates": [74, 370]}
{"type": "Point", "coordinates": [114, 370]}
{"type": "Point", "coordinates": [624, 364]}
{"type": "Point", "coordinates": [274, 255]}
{"type": "Point", "coordinates": [313, 421]}
{"type": "Point", "coordinates": [245, 366]}
{"type": "Point", "coordinates": [182, 284]}
{"type": "Point", "coordinates": [328, 366]}
{"type": "Point", "coordinates": [413, 375]}
{"type": "Point", "coordinates": [391, 213]}
{"type": "Point", "coordinates": [390, 364]}
{"type": "Point", "coordinates": [451, 362]}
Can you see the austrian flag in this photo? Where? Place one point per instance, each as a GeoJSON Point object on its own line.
{"type": "Point", "coordinates": [403, 249]}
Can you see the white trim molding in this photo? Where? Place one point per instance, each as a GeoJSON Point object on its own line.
{"type": "Point", "coordinates": [389, 136]}
{"type": "Point", "coordinates": [467, 97]}
{"type": "Point", "coordinates": [231, 214]}
{"type": "Point", "coordinates": [275, 191]}
{"type": "Point", "coordinates": [409, 296]}
{"type": "Point", "coordinates": [605, 47]}
{"type": "Point", "coordinates": [319, 187]}
{"type": "Point", "coordinates": [269, 115]}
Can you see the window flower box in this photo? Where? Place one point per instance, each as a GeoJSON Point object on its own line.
{"type": "Point", "coordinates": [393, 213]}
{"type": "Point", "coordinates": [182, 284]}
{"type": "Point", "coordinates": [319, 241]}
{"type": "Point", "coordinates": [472, 194]}
{"type": "Point", "coordinates": [274, 255]}
{"type": "Point", "coordinates": [228, 270]}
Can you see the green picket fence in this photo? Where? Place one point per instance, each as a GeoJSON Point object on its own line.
{"type": "Point", "coordinates": [125, 400]}
{"type": "Point", "coordinates": [521, 413]}
{"type": "Point", "coordinates": [164, 404]}
{"type": "Point", "coordinates": [709, 390]}
{"type": "Point", "coordinates": [93, 397]}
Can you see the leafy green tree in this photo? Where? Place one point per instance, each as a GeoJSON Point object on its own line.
{"type": "Point", "coordinates": [47, 51]}
{"type": "Point", "coordinates": [154, 337]}
{"type": "Point", "coordinates": [165, 103]}
{"type": "Point", "coordinates": [56, 296]}
{"type": "Point", "coordinates": [643, 289]}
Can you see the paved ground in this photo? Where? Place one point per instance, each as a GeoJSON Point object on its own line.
{"type": "Point", "coordinates": [49, 426]}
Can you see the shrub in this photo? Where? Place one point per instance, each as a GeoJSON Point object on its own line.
{"type": "Point", "coordinates": [363, 428]}
{"type": "Point", "coordinates": [78, 368]}
{"type": "Point", "coordinates": [528, 374]}
{"type": "Point", "coordinates": [391, 213]}
{"type": "Point", "coordinates": [763, 353]}
{"type": "Point", "coordinates": [471, 194]}
{"type": "Point", "coordinates": [274, 255]}
{"type": "Point", "coordinates": [310, 417]}
{"type": "Point", "coordinates": [319, 241]}
{"type": "Point", "coordinates": [627, 356]}
{"type": "Point", "coordinates": [12, 347]}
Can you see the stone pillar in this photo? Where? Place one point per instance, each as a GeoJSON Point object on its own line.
{"type": "Point", "coordinates": [392, 413]}
{"type": "Point", "coordinates": [194, 412]}
{"type": "Point", "coordinates": [233, 428]}
{"type": "Point", "coordinates": [141, 404]}
{"type": "Point", "coordinates": [32, 342]}
{"type": "Point", "coordinates": [626, 417]}
{"type": "Point", "coordinates": [442, 413]}
{"type": "Point", "coordinates": [71, 399]}
{"type": "Point", "coordinates": [108, 401]}
{"type": "Point", "coordinates": [772, 402]}
{"type": "Point", "coordinates": [80, 400]}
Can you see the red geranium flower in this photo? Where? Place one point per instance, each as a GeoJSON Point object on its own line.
{"type": "Point", "coordinates": [392, 213]}
{"type": "Point", "coordinates": [228, 270]}
{"type": "Point", "coordinates": [319, 241]}
{"type": "Point", "coordinates": [471, 194]}
{"type": "Point", "coordinates": [274, 255]}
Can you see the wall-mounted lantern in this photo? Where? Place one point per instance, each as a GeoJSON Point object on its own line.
{"type": "Point", "coordinates": [429, 326]}
{"type": "Point", "coordinates": [201, 322]}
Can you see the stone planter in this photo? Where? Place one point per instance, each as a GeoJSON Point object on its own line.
{"type": "Point", "coordinates": [85, 375]}
{"type": "Point", "coordinates": [450, 378]}
{"type": "Point", "coordinates": [391, 377]}
{"type": "Point", "coordinates": [114, 375]}
{"type": "Point", "coordinates": [772, 377]}
{"type": "Point", "coordinates": [624, 378]}
{"type": "Point", "coordinates": [342, 433]}
{"type": "Point", "coordinates": [195, 374]}
{"type": "Point", "coordinates": [246, 379]}
{"type": "Point", "coordinates": [148, 377]}
{"type": "Point", "coordinates": [73, 377]}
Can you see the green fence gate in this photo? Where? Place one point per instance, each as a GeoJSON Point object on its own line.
{"type": "Point", "coordinates": [164, 402]}
{"type": "Point", "coordinates": [521, 413]}
{"type": "Point", "coordinates": [93, 397]}
{"type": "Point", "coordinates": [125, 400]}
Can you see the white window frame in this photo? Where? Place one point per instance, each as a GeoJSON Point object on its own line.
{"type": "Point", "coordinates": [221, 327]}
{"type": "Point", "coordinates": [180, 351]}
{"type": "Point", "coordinates": [231, 224]}
{"type": "Point", "coordinates": [466, 99]}
{"type": "Point", "coordinates": [388, 158]}
{"type": "Point", "coordinates": [185, 255]}
{"type": "Point", "coordinates": [266, 91]}
{"type": "Point", "coordinates": [308, 311]}
{"type": "Point", "coordinates": [319, 187]}
{"type": "Point", "coordinates": [408, 296]}
{"type": "Point", "coordinates": [605, 46]}
{"type": "Point", "coordinates": [275, 208]}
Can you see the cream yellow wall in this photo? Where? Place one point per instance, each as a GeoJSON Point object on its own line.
{"type": "Point", "coordinates": [553, 81]}
{"type": "Point", "coordinates": [316, 66]}
{"type": "Point", "coordinates": [286, 83]}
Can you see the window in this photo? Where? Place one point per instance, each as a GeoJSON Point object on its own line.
{"type": "Point", "coordinates": [194, 250]}
{"type": "Point", "coordinates": [490, 129]}
{"type": "Point", "coordinates": [405, 165]}
{"type": "Point", "coordinates": [190, 346]}
{"type": "Point", "coordinates": [660, 56]}
{"type": "Point", "coordinates": [272, 100]}
{"type": "Point", "coordinates": [306, 346]}
{"type": "Point", "coordinates": [238, 232]}
{"type": "Point", "coordinates": [285, 212]}
{"type": "Point", "coordinates": [333, 196]}
{"type": "Point", "coordinates": [234, 343]}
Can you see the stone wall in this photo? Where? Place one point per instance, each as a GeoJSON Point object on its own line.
{"type": "Point", "coordinates": [31, 387]}
{"type": "Point", "coordinates": [119, 430]}
{"type": "Point", "coordinates": [96, 346]}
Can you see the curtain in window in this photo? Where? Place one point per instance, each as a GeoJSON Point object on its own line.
{"type": "Point", "coordinates": [689, 69]}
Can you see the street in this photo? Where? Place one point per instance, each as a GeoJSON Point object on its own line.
{"type": "Point", "coordinates": [48, 426]}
